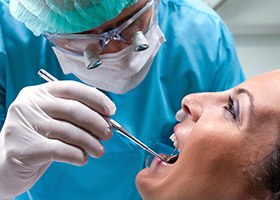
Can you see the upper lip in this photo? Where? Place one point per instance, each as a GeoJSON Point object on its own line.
{"type": "Point", "coordinates": [178, 144]}
{"type": "Point", "coordinates": [175, 127]}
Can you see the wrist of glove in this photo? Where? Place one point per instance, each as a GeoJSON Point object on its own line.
{"type": "Point", "coordinates": [57, 121]}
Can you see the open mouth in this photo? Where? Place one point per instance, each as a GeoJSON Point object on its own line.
{"type": "Point", "coordinates": [172, 159]}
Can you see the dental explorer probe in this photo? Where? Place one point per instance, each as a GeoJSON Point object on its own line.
{"type": "Point", "coordinates": [48, 77]}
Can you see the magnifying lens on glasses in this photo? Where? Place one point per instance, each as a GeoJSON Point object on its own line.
{"type": "Point", "coordinates": [92, 60]}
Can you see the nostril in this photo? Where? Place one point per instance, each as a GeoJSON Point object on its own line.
{"type": "Point", "coordinates": [186, 109]}
{"type": "Point", "coordinates": [193, 111]}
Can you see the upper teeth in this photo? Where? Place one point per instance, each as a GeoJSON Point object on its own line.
{"type": "Point", "coordinates": [174, 140]}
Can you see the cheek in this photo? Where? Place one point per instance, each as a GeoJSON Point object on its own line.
{"type": "Point", "coordinates": [214, 132]}
{"type": "Point", "coordinates": [210, 146]}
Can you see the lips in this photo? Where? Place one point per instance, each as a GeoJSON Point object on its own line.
{"type": "Point", "coordinates": [171, 158]}
{"type": "Point", "coordinates": [156, 162]}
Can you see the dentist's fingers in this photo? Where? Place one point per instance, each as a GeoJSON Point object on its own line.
{"type": "Point", "coordinates": [75, 136]}
{"type": "Point", "coordinates": [79, 115]}
{"type": "Point", "coordinates": [62, 152]}
{"type": "Point", "coordinates": [49, 150]}
{"type": "Point", "coordinates": [87, 95]}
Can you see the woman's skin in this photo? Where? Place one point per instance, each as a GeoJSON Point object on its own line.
{"type": "Point", "coordinates": [221, 137]}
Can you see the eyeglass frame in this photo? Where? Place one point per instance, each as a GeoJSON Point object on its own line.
{"type": "Point", "coordinates": [107, 35]}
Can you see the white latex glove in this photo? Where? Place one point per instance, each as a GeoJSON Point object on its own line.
{"type": "Point", "coordinates": [57, 121]}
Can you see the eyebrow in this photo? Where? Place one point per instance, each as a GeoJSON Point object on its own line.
{"type": "Point", "coordinates": [239, 91]}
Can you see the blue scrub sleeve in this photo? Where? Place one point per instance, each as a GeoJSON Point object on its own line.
{"type": "Point", "coordinates": [3, 65]}
{"type": "Point", "coordinates": [229, 72]}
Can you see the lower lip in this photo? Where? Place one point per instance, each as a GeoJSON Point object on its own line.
{"type": "Point", "coordinates": [157, 162]}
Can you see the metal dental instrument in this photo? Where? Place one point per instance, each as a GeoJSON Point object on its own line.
{"type": "Point", "coordinates": [48, 77]}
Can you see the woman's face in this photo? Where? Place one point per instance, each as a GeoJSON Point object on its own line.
{"type": "Point", "coordinates": [219, 137]}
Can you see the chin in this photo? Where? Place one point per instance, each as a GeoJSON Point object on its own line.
{"type": "Point", "coordinates": [142, 184]}
{"type": "Point", "coordinates": [146, 188]}
{"type": "Point", "coordinates": [148, 183]}
{"type": "Point", "coordinates": [151, 182]}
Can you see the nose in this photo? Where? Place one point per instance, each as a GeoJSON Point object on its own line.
{"type": "Point", "coordinates": [195, 104]}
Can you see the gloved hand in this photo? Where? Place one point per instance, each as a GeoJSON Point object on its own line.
{"type": "Point", "coordinates": [56, 121]}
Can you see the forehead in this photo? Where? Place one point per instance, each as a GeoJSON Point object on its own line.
{"type": "Point", "coordinates": [266, 86]}
{"type": "Point", "coordinates": [265, 90]}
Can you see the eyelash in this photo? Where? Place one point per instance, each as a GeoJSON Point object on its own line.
{"type": "Point", "coordinates": [231, 107]}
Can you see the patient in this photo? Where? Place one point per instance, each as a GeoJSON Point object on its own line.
{"type": "Point", "coordinates": [229, 146]}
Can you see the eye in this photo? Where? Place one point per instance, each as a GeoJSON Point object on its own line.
{"type": "Point", "coordinates": [233, 108]}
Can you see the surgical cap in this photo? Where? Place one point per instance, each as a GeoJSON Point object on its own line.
{"type": "Point", "coordinates": [66, 16]}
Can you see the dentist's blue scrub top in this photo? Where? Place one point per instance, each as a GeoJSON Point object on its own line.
{"type": "Point", "coordinates": [199, 55]}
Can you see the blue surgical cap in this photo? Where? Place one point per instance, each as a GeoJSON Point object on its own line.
{"type": "Point", "coordinates": [66, 16]}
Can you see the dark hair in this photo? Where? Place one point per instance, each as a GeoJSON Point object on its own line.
{"type": "Point", "coordinates": [268, 173]}
{"type": "Point", "coordinates": [272, 173]}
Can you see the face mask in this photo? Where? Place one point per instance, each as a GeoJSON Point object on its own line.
{"type": "Point", "coordinates": [121, 71]}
